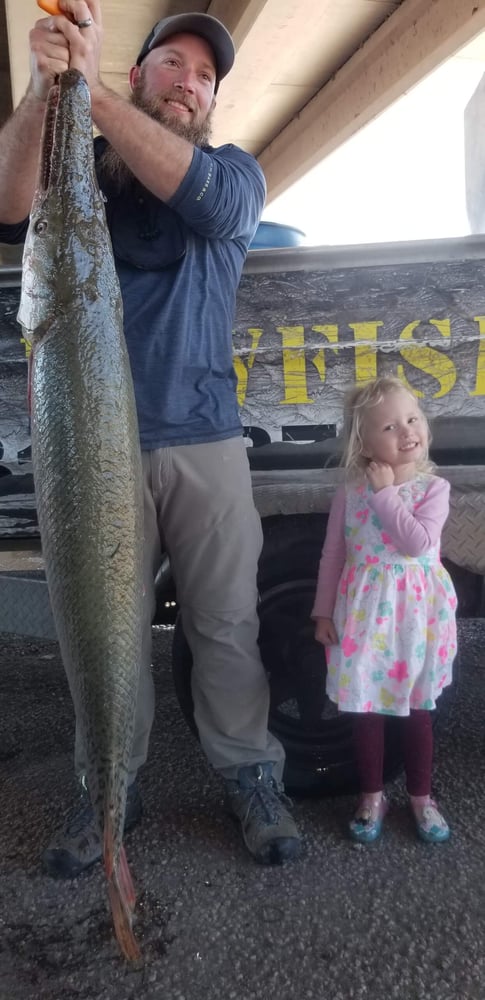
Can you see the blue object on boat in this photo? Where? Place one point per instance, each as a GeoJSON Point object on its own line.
{"type": "Point", "coordinates": [274, 234]}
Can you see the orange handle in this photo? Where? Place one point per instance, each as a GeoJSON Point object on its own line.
{"type": "Point", "coordinates": [50, 6]}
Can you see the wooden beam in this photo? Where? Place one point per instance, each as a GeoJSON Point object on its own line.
{"type": "Point", "coordinates": [238, 17]}
{"type": "Point", "coordinates": [414, 40]}
{"type": "Point", "coordinates": [474, 123]}
{"type": "Point", "coordinates": [20, 17]}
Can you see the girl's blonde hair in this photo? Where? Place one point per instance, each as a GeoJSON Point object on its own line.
{"type": "Point", "coordinates": [357, 402]}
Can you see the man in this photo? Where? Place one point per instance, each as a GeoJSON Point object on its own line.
{"type": "Point", "coordinates": [181, 216]}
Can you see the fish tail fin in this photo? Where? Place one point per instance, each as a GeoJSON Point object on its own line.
{"type": "Point", "coordinates": [122, 914]}
{"type": "Point", "coordinates": [122, 899]}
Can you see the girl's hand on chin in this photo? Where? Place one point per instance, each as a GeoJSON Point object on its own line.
{"type": "Point", "coordinates": [379, 474]}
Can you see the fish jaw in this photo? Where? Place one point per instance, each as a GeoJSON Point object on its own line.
{"type": "Point", "coordinates": [67, 194]}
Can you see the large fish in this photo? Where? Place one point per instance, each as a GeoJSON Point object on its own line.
{"type": "Point", "coordinates": [86, 462]}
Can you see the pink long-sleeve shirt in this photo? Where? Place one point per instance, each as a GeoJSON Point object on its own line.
{"type": "Point", "coordinates": [412, 531]}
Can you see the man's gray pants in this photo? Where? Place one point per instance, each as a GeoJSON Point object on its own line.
{"type": "Point", "coordinates": [199, 508]}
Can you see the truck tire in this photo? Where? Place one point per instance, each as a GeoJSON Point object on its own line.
{"type": "Point", "coordinates": [317, 740]}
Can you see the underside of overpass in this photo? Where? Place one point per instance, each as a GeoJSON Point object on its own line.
{"type": "Point", "coordinates": [308, 73]}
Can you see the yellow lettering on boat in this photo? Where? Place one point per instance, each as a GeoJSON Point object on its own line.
{"type": "Point", "coordinates": [365, 336]}
{"type": "Point", "coordinates": [242, 369]}
{"type": "Point", "coordinates": [294, 365]}
{"type": "Point", "coordinates": [428, 359]}
{"type": "Point", "coordinates": [330, 333]}
{"type": "Point", "coordinates": [479, 389]}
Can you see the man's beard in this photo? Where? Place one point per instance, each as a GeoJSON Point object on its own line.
{"type": "Point", "coordinates": [113, 168]}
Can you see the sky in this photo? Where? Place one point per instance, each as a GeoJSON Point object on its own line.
{"type": "Point", "coordinates": [400, 178]}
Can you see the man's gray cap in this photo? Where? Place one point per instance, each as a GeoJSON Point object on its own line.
{"type": "Point", "coordinates": [209, 28]}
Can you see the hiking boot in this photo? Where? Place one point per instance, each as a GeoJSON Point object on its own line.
{"type": "Point", "coordinates": [258, 801]}
{"type": "Point", "coordinates": [78, 846]}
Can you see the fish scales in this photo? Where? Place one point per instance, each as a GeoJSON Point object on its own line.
{"type": "Point", "coordinates": [86, 462]}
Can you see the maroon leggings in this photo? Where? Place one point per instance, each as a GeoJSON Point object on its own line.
{"type": "Point", "coordinates": [417, 739]}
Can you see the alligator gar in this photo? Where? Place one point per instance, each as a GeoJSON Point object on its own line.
{"type": "Point", "coordinates": [86, 463]}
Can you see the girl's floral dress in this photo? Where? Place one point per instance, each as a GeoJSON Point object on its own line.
{"type": "Point", "coordinates": [394, 615]}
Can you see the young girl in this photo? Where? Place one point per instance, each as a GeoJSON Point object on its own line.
{"type": "Point", "coordinates": [385, 605]}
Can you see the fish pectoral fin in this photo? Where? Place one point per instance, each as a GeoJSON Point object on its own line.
{"type": "Point", "coordinates": [122, 902]}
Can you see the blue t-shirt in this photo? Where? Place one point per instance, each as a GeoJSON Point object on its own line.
{"type": "Point", "coordinates": [179, 266]}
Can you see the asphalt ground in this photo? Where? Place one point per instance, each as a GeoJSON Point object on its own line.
{"type": "Point", "coordinates": [398, 919]}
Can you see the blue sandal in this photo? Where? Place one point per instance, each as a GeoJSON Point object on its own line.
{"type": "Point", "coordinates": [431, 826]}
{"type": "Point", "coordinates": [364, 827]}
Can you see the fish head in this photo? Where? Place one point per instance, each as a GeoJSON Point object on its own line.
{"type": "Point", "coordinates": [67, 215]}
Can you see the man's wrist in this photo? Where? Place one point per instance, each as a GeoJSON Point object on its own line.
{"type": "Point", "coordinates": [35, 99]}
